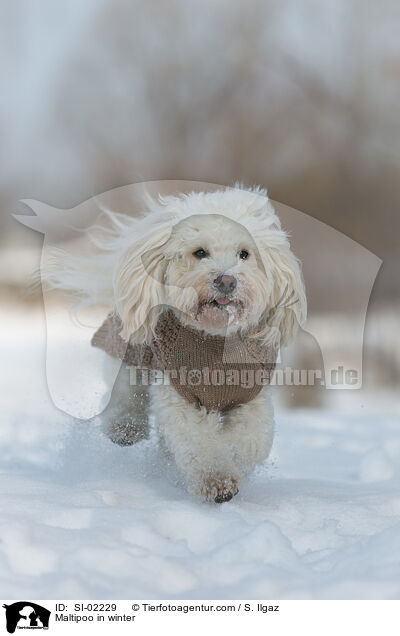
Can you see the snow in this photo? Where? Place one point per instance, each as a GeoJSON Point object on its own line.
{"type": "Point", "coordinates": [83, 518]}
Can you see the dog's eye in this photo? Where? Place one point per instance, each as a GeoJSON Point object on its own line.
{"type": "Point", "coordinates": [243, 255]}
{"type": "Point", "coordinates": [200, 253]}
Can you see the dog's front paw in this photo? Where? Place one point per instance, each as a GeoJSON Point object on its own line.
{"type": "Point", "coordinates": [219, 488]}
{"type": "Point", "coordinates": [125, 431]}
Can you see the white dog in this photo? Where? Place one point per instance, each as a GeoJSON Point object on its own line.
{"type": "Point", "coordinates": [204, 288]}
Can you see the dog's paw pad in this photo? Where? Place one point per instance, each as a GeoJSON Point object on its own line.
{"type": "Point", "coordinates": [226, 497]}
{"type": "Point", "coordinates": [219, 489]}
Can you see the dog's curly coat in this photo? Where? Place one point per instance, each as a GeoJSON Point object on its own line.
{"type": "Point", "coordinates": [221, 260]}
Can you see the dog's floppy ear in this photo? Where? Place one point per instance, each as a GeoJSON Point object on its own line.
{"type": "Point", "coordinates": [138, 285]}
{"type": "Point", "coordinates": [287, 306]}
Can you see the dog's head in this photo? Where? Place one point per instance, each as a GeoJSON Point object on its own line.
{"type": "Point", "coordinates": [220, 260]}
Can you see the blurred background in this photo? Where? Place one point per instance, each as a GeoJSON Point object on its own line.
{"type": "Point", "coordinates": [299, 96]}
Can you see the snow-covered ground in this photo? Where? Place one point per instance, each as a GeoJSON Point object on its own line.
{"type": "Point", "coordinates": [83, 518]}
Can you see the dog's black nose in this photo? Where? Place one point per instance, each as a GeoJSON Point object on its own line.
{"type": "Point", "coordinates": [225, 284]}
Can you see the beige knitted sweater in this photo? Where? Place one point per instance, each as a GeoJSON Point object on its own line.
{"type": "Point", "coordinates": [209, 371]}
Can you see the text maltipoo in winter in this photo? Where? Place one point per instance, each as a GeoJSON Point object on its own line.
{"type": "Point", "coordinates": [202, 289]}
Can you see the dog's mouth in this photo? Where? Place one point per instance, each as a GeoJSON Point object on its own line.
{"type": "Point", "coordinates": [224, 301]}
{"type": "Point", "coordinates": [221, 302]}
{"type": "Point", "coordinates": [219, 312]}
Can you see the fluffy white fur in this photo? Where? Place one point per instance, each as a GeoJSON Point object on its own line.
{"type": "Point", "coordinates": [146, 263]}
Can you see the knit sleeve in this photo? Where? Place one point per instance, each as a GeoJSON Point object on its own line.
{"type": "Point", "coordinates": [265, 355]}
{"type": "Point", "coordinates": [271, 355]}
{"type": "Point", "coordinates": [108, 338]}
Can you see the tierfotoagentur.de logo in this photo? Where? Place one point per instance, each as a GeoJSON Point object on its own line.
{"type": "Point", "coordinates": [26, 615]}
{"type": "Point", "coordinates": [70, 385]}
